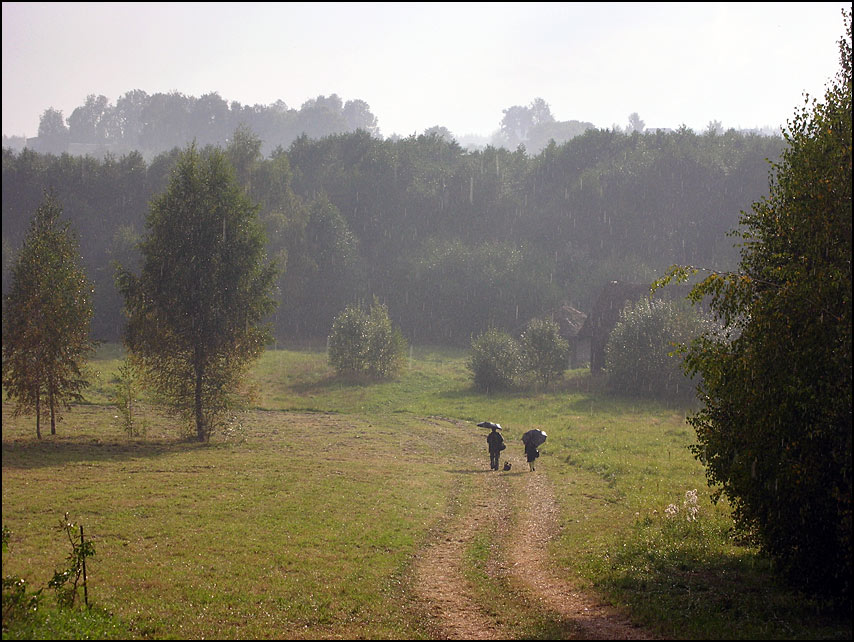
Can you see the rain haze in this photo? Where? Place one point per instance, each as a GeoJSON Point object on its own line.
{"type": "Point", "coordinates": [418, 65]}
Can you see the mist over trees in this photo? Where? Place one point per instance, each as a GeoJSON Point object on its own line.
{"type": "Point", "coordinates": [151, 124]}
{"type": "Point", "coordinates": [534, 126]}
{"type": "Point", "coordinates": [452, 241]}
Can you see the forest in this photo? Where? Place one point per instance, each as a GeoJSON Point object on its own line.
{"type": "Point", "coordinates": [453, 241]}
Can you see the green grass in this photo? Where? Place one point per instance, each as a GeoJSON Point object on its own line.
{"type": "Point", "coordinates": [301, 520]}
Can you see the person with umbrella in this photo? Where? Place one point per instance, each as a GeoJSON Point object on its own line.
{"type": "Point", "coordinates": [494, 441]}
{"type": "Point", "coordinates": [533, 439]}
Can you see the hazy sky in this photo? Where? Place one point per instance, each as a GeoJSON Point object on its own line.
{"type": "Point", "coordinates": [418, 65]}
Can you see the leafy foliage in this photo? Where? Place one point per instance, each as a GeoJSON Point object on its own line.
{"type": "Point", "coordinates": [496, 361]}
{"type": "Point", "coordinates": [46, 319]}
{"type": "Point", "coordinates": [351, 216]}
{"type": "Point", "coordinates": [348, 341]}
{"type": "Point", "coordinates": [18, 601]}
{"type": "Point", "coordinates": [366, 343]}
{"type": "Point", "coordinates": [546, 353]}
{"type": "Point", "coordinates": [463, 290]}
{"type": "Point", "coordinates": [641, 356]}
{"type": "Point", "coordinates": [194, 312]}
{"type": "Point", "coordinates": [775, 428]}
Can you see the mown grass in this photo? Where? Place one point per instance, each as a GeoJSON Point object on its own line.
{"type": "Point", "coordinates": [301, 520]}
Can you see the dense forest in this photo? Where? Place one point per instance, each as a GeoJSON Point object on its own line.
{"type": "Point", "coordinates": [451, 240]}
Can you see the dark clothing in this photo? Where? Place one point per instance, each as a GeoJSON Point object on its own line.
{"type": "Point", "coordinates": [531, 453]}
{"type": "Point", "coordinates": [493, 459]}
{"type": "Point", "coordinates": [496, 444]}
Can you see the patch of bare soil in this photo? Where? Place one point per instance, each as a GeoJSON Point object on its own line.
{"type": "Point", "coordinates": [449, 600]}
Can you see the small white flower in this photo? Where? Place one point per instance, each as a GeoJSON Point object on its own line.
{"type": "Point", "coordinates": [692, 510]}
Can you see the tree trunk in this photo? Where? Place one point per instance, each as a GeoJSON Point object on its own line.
{"type": "Point", "coordinates": [38, 415]}
{"type": "Point", "coordinates": [52, 413]}
{"type": "Point", "coordinates": [201, 431]}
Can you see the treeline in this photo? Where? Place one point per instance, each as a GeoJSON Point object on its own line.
{"type": "Point", "coordinates": [452, 241]}
{"type": "Point", "coordinates": [156, 123]}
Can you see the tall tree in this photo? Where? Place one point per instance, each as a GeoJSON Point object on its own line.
{"type": "Point", "coordinates": [46, 319]}
{"type": "Point", "coordinates": [775, 428]}
{"type": "Point", "coordinates": [53, 132]}
{"type": "Point", "coordinates": [194, 312]}
{"type": "Point", "coordinates": [635, 123]}
{"type": "Point", "coordinates": [84, 124]}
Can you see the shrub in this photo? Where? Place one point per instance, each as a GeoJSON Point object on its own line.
{"type": "Point", "coordinates": [641, 354]}
{"type": "Point", "coordinates": [495, 360]}
{"type": "Point", "coordinates": [386, 348]}
{"type": "Point", "coordinates": [545, 352]}
{"type": "Point", "coordinates": [348, 341]}
{"type": "Point", "coordinates": [366, 343]}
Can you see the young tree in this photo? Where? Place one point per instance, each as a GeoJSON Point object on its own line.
{"type": "Point", "coordinates": [775, 428]}
{"type": "Point", "coordinates": [195, 310]}
{"type": "Point", "coordinates": [46, 319]}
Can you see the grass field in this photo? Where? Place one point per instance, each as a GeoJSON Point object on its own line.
{"type": "Point", "coordinates": [302, 519]}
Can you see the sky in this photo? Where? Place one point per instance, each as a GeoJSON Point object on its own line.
{"type": "Point", "coordinates": [417, 65]}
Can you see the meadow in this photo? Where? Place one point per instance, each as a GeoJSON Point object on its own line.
{"type": "Point", "coordinates": [302, 517]}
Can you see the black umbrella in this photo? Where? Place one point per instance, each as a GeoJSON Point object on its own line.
{"type": "Point", "coordinates": [489, 424]}
{"type": "Point", "coordinates": [535, 437]}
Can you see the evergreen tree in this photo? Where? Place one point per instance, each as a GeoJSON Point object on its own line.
{"type": "Point", "coordinates": [194, 312]}
{"type": "Point", "coordinates": [46, 319]}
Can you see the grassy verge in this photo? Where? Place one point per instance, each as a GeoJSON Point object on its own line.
{"type": "Point", "coordinates": [301, 520]}
{"type": "Point", "coordinates": [303, 527]}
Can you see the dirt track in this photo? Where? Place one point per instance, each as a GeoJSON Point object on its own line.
{"type": "Point", "coordinates": [449, 599]}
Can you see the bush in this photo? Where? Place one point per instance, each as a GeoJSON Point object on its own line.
{"type": "Point", "coordinates": [545, 352]}
{"type": "Point", "coordinates": [386, 348]}
{"type": "Point", "coordinates": [640, 356]}
{"type": "Point", "coordinates": [348, 341]}
{"type": "Point", "coordinates": [495, 361]}
{"type": "Point", "coordinates": [367, 344]}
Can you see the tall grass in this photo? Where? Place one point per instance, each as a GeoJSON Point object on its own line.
{"type": "Point", "coordinates": [301, 519]}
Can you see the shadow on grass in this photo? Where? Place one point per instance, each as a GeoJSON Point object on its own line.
{"type": "Point", "coordinates": [576, 383]}
{"type": "Point", "coordinates": [483, 470]}
{"type": "Point", "coordinates": [720, 596]}
{"type": "Point", "coordinates": [334, 381]}
{"type": "Point", "coordinates": [49, 452]}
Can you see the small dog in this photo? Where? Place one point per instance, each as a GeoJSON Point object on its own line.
{"type": "Point", "coordinates": [506, 465]}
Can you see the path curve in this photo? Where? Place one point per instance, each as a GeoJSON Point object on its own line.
{"type": "Point", "coordinates": [448, 599]}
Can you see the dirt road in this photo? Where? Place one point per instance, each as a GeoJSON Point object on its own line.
{"type": "Point", "coordinates": [521, 557]}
